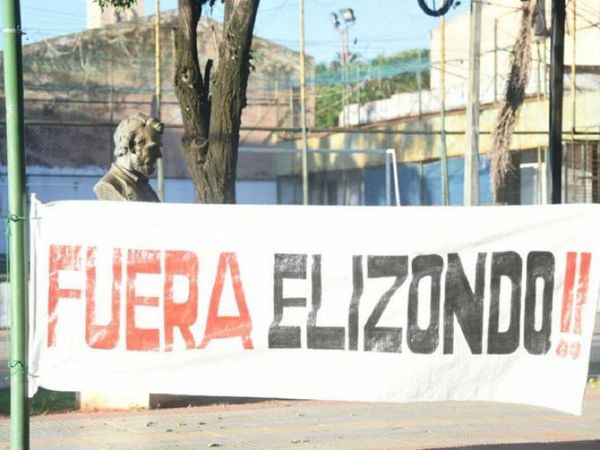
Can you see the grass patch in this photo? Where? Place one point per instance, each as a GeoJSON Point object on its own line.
{"type": "Point", "coordinates": [594, 375]}
{"type": "Point", "coordinates": [43, 402]}
{"type": "Point", "coordinates": [594, 368]}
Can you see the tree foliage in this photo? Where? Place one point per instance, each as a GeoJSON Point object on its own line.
{"type": "Point", "coordinates": [119, 4]}
{"type": "Point", "coordinates": [365, 81]}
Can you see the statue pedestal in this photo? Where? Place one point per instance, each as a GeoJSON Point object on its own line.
{"type": "Point", "coordinates": [115, 399]}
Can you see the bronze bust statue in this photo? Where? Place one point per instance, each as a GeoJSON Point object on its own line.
{"type": "Point", "coordinates": [137, 147]}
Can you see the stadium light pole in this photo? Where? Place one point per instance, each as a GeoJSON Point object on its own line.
{"type": "Point", "coordinates": [15, 152]}
{"type": "Point", "coordinates": [347, 15]}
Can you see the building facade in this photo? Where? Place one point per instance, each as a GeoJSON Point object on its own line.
{"type": "Point", "coordinates": [413, 124]}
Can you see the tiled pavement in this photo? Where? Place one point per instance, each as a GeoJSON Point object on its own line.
{"type": "Point", "coordinates": [303, 425]}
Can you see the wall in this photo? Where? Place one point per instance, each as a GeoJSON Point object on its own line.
{"type": "Point", "coordinates": [425, 143]}
{"type": "Point", "coordinates": [97, 18]}
{"type": "Point", "coordinates": [507, 16]}
{"type": "Point", "coordinates": [53, 184]}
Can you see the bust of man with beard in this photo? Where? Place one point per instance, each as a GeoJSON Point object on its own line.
{"type": "Point", "coordinates": [137, 147]}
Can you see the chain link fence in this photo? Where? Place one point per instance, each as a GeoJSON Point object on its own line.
{"type": "Point", "coordinates": [65, 160]}
{"type": "Point", "coordinates": [581, 171]}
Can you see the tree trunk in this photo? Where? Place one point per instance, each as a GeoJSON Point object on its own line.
{"type": "Point", "coordinates": [211, 117]}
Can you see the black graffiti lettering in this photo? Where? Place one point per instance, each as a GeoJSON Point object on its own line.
{"type": "Point", "coordinates": [286, 266]}
{"type": "Point", "coordinates": [357, 290]}
{"type": "Point", "coordinates": [464, 304]}
{"type": "Point", "coordinates": [424, 340]}
{"type": "Point", "coordinates": [384, 339]}
{"type": "Point", "coordinates": [528, 309]}
{"type": "Point", "coordinates": [509, 265]}
{"type": "Point", "coordinates": [331, 338]}
{"type": "Point", "coordinates": [539, 265]}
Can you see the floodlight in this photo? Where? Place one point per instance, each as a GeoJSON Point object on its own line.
{"type": "Point", "coordinates": [335, 20]}
{"type": "Point", "coordinates": [347, 14]}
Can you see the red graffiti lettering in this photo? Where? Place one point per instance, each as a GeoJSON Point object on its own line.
{"type": "Point", "coordinates": [219, 327]}
{"type": "Point", "coordinates": [567, 304]}
{"type": "Point", "coordinates": [582, 288]}
{"type": "Point", "coordinates": [62, 257]}
{"type": "Point", "coordinates": [146, 317]}
{"type": "Point", "coordinates": [180, 315]}
{"type": "Point", "coordinates": [96, 335]}
{"type": "Point", "coordinates": [141, 262]}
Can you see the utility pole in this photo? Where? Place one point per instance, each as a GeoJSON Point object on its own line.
{"type": "Point", "coordinates": [539, 69]}
{"type": "Point", "coordinates": [420, 82]}
{"type": "Point", "coordinates": [291, 106]}
{"type": "Point", "coordinates": [15, 155]}
{"type": "Point", "coordinates": [495, 60]}
{"type": "Point", "coordinates": [546, 75]}
{"type": "Point", "coordinates": [111, 98]}
{"type": "Point", "coordinates": [347, 15]}
{"type": "Point", "coordinates": [160, 171]}
{"type": "Point", "coordinates": [471, 170]}
{"type": "Point", "coordinates": [443, 150]}
{"type": "Point", "coordinates": [303, 108]}
{"type": "Point", "coordinates": [358, 82]}
{"type": "Point", "coordinates": [557, 66]}
{"type": "Point", "coordinates": [277, 96]}
{"type": "Point", "coordinates": [573, 78]}
{"type": "Point", "coordinates": [344, 36]}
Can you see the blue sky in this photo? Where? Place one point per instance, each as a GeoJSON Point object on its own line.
{"type": "Point", "coordinates": [381, 27]}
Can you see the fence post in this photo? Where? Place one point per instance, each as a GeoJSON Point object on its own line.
{"type": "Point", "coordinates": [388, 196]}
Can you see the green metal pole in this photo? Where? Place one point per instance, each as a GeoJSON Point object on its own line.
{"type": "Point", "coordinates": [13, 86]}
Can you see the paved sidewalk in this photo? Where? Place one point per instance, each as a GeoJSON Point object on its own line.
{"type": "Point", "coordinates": [304, 425]}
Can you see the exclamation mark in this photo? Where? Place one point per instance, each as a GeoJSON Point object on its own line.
{"type": "Point", "coordinates": [567, 303]}
{"type": "Point", "coordinates": [582, 289]}
{"type": "Point", "coordinates": [568, 316]}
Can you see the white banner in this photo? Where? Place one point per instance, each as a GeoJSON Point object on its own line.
{"type": "Point", "coordinates": [344, 303]}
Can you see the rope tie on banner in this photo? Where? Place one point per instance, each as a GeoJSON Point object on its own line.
{"type": "Point", "coordinates": [17, 367]}
{"type": "Point", "coordinates": [8, 219]}
{"type": "Point", "coordinates": [14, 218]}
{"type": "Point", "coordinates": [13, 31]}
